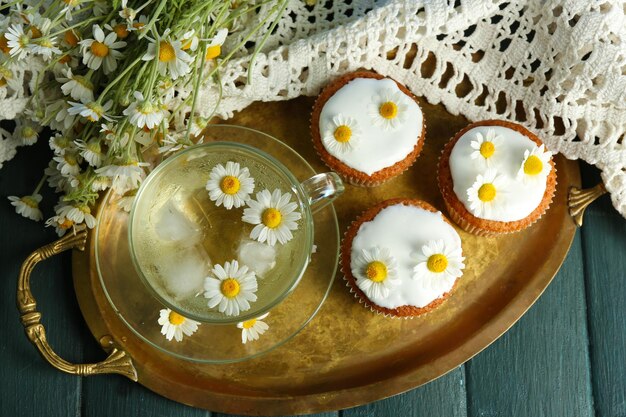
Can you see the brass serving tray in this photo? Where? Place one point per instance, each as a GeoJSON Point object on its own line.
{"type": "Point", "coordinates": [347, 355]}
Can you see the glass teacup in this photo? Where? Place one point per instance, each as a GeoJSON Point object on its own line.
{"type": "Point", "coordinates": [182, 235]}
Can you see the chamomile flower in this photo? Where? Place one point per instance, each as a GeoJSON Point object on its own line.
{"type": "Point", "coordinates": [127, 13]}
{"type": "Point", "coordinates": [28, 206]}
{"type": "Point", "coordinates": [59, 116]}
{"type": "Point", "coordinates": [100, 183]}
{"type": "Point", "coordinates": [342, 134]}
{"type": "Point", "coordinates": [253, 328]}
{"type": "Point", "coordinates": [486, 147]}
{"type": "Point", "coordinates": [76, 86]}
{"type": "Point", "coordinates": [214, 49]}
{"type": "Point", "coordinates": [70, 7]}
{"type": "Point", "coordinates": [143, 112]}
{"type": "Point", "coordinates": [91, 151]}
{"type": "Point", "coordinates": [8, 147]}
{"type": "Point", "coordinates": [438, 265]}
{"type": "Point", "coordinates": [174, 326]}
{"type": "Point", "coordinates": [59, 143]}
{"type": "Point", "coordinates": [79, 213]}
{"type": "Point", "coordinates": [45, 46]}
{"type": "Point", "coordinates": [170, 55]}
{"type": "Point", "coordinates": [190, 41]}
{"type": "Point", "coordinates": [101, 50]}
{"type": "Point", "coordinates": [274, 216]}
{"type": "Point", "coordinates": [487, 196]}
{"type": "Point", "coordinates": [68, 164]}
{"type": "Point", "coordinates": [388, 110]}
{"type": "Point", "coordinates": [230, 186]}
{"type": "Point", "coordinates": [92, 111]}
{"type": "Point", "coordinates": [62, 225]}
{"type": "Point", "coordinates": [536, 165]}
{"type": "Point", "coordinates": [125, 202]}
{"type": "Point", "coordinates": [18, 41]}
{"type": "Point", "coordinates": [375, 272]}
{"type": "Point", "coordinates": [120, 29]}
{"type": "Point", "coordinates": [26, 133]}
{"type": "Point", "coordinates": [125, 176]}
{"type": "Point", "coordinates": [231, 288]}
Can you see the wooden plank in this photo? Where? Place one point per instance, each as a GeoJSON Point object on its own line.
{"type": "Point", "coordinates": [444, 397]}
{"type": "Point", "coordinates": [604, 247]}
{"type": "Point", "coordinates": [541, 366]}
{"type": "Point", "coordinates": [30, 386]}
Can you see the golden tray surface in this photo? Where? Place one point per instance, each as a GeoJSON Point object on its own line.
{"type": "Point", "coordinates": [348, 355]}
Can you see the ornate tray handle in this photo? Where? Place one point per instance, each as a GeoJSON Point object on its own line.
{"type": "Point", "coordinates": [118, 362]}
{"type": "Point", "coordinates": [578, 200]}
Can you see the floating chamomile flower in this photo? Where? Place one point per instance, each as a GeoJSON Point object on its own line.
{"type": "Point", "coordinates": [536, 165]}
{"type": "Point", "coordinates": [375, 272]}
{"type": "Point", "coordinates": [274, 216]}
{"type": "Point", "coordinates": [171, 57]}
{"type": "Point", "coordinates": [28, 206]}
{"type": "Point", "coordinates": [230, 186]}
{"type": "Point", "coordinates": [231, 288]}
{"type": "Point", "coordinates": [174, 325]}
{"type": "Point", "coordinates": [485, 147]}
{"type": "Point", "coordinates": [253, 328]}
{"type": "Point", "coordinates": [101, 50]}
{"type": "Point", "coordinates": [143, 112]}
{"type": "Point", "coordinates": [342, 134]}
{"type": "Point", "coordinates": [438, 265]}
{"type": "Point", "coordinates": [388, 110]}
{"type": "Point", "coordinates": [487, 194]}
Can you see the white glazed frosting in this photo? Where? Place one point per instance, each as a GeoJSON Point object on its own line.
{"type": "Point", "coordinates": [521, 199]}
{"type": "Point", "coordinates": [378, 148]}
{"type": "Point", "coordinates": [404, 230]}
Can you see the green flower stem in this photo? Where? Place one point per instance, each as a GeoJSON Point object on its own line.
{"type": "Point", "coordinates": [40, 184]}
{"type": "Point", "coordinates": [119, 77]}
{"type": "Point", "coordinates": [154, 18]}
{"type": "Point", "coordinates": [82, 23]}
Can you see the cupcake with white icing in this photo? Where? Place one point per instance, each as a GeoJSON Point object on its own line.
{"type": "Point", "coordinates": [496, 177]}
{"type": "Point", "coordinates": [402, 258]}
{"type": "Point", "coordinates": [367, 128]}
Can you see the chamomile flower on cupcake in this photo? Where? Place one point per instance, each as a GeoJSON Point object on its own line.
{"type": "Point", "coordinates": [486, 147]}
{"type": "Point", "coordinates": [487, 203]}
{"type": "Point", "coordinates": [231, 288]}
{"type": "Point", "coordinates": [174, 325]}
{"type": "Point", "coordinates": [253, 328]}
{"type": "Point", "coordinates": [375, 272]}
{"type": "Point", "coordinates": [367, 128]}
{"type": "Point", "coordinates": [342, 134]}
{"type": "Point", "coordinates": [488, 194]}
{"type": "Point", "coordinates": [438, 263]}
{"type": "Point", "coordinates": [388, 110]}
{"type": "Point", "coordinates": [273, 215]}
{"type": "Point", "coordinates": [536, 165]}
{"type": "Point", "coordinates": [381, 266]}
{"type": "Point", "coordinates": [230, 185]}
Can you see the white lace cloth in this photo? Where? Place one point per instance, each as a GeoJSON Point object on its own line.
{"type": "Point", "coordinates": [557, 67]}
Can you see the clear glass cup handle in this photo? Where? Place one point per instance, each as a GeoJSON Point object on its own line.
{"type": "Point", "coordinates": [322, 189]}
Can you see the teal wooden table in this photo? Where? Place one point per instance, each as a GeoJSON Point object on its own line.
{"type": "Point", "coordinates": [565, 357]}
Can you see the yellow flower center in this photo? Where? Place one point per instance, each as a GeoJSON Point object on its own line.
{"type": "Point", "coordinates": [138, 25]}
{"type": "Point", "coordinates": [487, 192]}
{"type": "Point", "coordinates": [70, 38]}
{"type": "Point", "coordinates": [343, 133]}
{"type": "Point", "coordinates": [249, 324]}
{"type": "Point", "coordinates": [66, 224]}
{"type": "Point", "coordinates": [487, 149]}
{"type": "Point", "coordinates": [65, 59]}
{"type": "Point", "coordinates": [271, 218]}
{"type": "Point", "coordinates": [437, 263]}
{"type": "Point", "coordinates": [187, 44]}
{"type": "Point", "coordinates": [533, 165]}
{"type": "Point", "coordinates": [121, 30]}
{"type": "Point", "coordinates": [230, 287]}
{"type": "Point", "coordinates": [70, 158]}
{"type": "Point", "coordinates": [97, 109]}
{"type": "Point", "coordinates": [176, 319]}
{"type": "Point", "coordinates": [388, 110]}
{"type": "Point", "coordinates": [35, 32]}
{"type": "Point", "coordinates": [166, 52]}
{"type": "Point", "coordinates": [3, 82]}
{"type": "Point", "coordinates": [230, 185]}
{"type": "Point", "coordinates": [30, 202]}
{"type": "Point", "coordinates": [99, 49]}
{"type": "Point", "coordinates": [85, 209]}
{"type": "Point", "coordinates": [4, 44]}
{"type": "Point", "coordinates": [213, 51]}
{"type": "Point", "coordinates": [376, 271]}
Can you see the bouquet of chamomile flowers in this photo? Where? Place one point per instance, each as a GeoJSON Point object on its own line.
{"type": "Point", "coordinates": [112, 79]}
